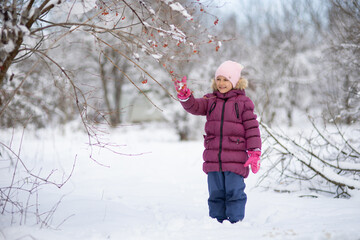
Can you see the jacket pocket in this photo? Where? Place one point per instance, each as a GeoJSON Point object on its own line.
{"type": "Point", "coordinates": [208, 140]}
{"type": "Point", "coordinates": [212, 107]}
{"type": "Point", "coordinates": [237, 111]}
{"type": "Point", "coordinates": [237, 143]}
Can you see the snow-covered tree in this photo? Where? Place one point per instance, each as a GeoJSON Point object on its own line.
{"type": "Point", "coordinates": [342, 57]}
{"type": "Point", "coordinates": [47, 65]}
{"type": "Point", "coordinates": [283, 47]}
{"type": "Point", "coordinates": [138, 29]}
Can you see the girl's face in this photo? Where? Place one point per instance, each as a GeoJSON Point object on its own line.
{"type": "Point", "coordinates": [223, 85]}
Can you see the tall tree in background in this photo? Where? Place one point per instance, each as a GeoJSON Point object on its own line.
{"type": "Point", "coordinates": [343, 56]}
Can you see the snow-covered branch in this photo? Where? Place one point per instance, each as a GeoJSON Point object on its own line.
{"type": "Point", "coordinates": [166, 31]}
{"type": "Point", "coordinates": [311, 158]}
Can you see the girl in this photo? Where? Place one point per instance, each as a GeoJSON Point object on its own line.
{"type": "Point", "coordinates": [232, 140]}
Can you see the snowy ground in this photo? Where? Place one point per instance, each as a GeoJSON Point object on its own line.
{"type": "Point", "coordinates": [161, 194]}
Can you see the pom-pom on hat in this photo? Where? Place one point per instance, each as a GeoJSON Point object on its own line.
{"type": "Point", "coordinates": [230, 70]}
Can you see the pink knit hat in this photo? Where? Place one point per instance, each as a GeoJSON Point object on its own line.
{"type": "Point", "coordinates": [231, 70]}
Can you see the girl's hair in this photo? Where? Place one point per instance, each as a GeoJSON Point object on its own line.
{"type": "Point", "coordinates": [240, 85]}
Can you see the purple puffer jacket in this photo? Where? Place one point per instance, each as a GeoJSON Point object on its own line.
{"type": "Point", "coordinates": [231, 129]}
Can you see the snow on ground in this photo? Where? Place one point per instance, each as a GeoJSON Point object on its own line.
{"type": "Point", "coordinates": [160, 194]}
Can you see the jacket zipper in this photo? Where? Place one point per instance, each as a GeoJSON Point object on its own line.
{"type": "Point", "coordinates": [221, 134]}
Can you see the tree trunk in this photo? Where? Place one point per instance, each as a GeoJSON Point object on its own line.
{"type": "Point", "coordinates": [118, 83]}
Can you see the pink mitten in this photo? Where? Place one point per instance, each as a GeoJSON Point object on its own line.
{"type": "Point", "coordinates": [181, 88]}
{"type": "Point", "coordinates": [253, 160]}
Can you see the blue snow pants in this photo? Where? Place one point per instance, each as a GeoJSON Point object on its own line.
{"type": "Point", "coordinates": [227, 198]}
